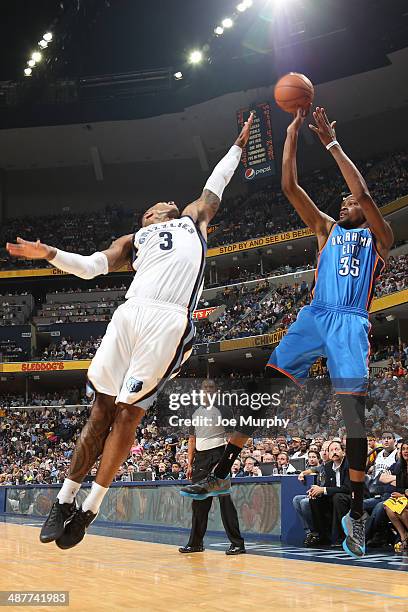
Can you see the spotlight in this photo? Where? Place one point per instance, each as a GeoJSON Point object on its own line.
{"type": "Point", "coordinates": [244, 5]}
{"type": "Point", "coordinates": [31, 63]}
{"type": "Point", "coordinates": [195, 57]}
{"type": "Point", "coordinates": [43, 44]}
{"type": "Point", "coordinates": [28, 72]}
{"type": "Point", "coordinates": [178, 75]}
{"type": "Point", "coordinates": [47, 37]}
{"type": "Point", "coordinates": [227, 23]}
{"type": "Point", "coordinates": [36, 56]}
{"type": "Point", "coordinates": [219, 30]}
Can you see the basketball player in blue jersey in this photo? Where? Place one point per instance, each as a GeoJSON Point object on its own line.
{"type": "Point", "coordinates": [352, 253]}
{"type": "Point", "coordinates": [145, 344]}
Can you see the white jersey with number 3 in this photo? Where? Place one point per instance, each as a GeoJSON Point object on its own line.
{"type": "Point", "coordinates": [169, 263]}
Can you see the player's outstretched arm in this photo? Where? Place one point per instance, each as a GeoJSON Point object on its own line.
{"type": "Point", "coordinates": [319, 222]}
{"type": "Point", "coordinates": [205, 208]}
{"type": "Point", "coordinates": [83, 266]}
{"type": "Point", "coordinates": [355, 181]}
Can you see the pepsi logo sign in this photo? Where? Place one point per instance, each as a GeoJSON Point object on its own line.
{"type": "Point", "coordinates": [249, 173]}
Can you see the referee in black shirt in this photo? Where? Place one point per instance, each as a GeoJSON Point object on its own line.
{"type": "Point", "coordinates": [206, 445]}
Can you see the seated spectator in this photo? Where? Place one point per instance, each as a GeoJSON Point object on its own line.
{"type": "Point", "coordinates": [301, 503]}
{"type": "Point", "coordinates": [268, 458]}
{"type": "Point", "coordinates": [313, 459]}
{"type": "Point", "coordinates": [176, 472]}
{"type": "Point", "coordinates": [251, 467]}
{"type": "Point", "coordinates": [284, 467]}
{"type": "Point", "coordinates": [373, 450]}
{"type": "Point", "coordinates": [236, 469]}
{"type": "Point", "coordinates": [330, 501]}
{"type": "Point", "coordinates": [397, 506]}
{"type": "Point", "coordinates": [301, 450]}
{"type": "Point", "coordinates": [386, 457]}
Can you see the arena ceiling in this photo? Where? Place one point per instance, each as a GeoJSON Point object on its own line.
{"type": "Point", "coordinates": [198, 131]}
{"type": "Point", "coordinates": [356, 53]}
{"type": "Point", "coordinates": [325, 39]}
{"type": "Point", "coordinates": [106, 36]}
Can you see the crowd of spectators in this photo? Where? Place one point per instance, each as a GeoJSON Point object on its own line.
{"type": "Point", "coordinates": [11, 351]}
{"type": "Point", "coordinates": [38, 435]}
{"type": "Point", "coordinates": [268, 212]}
{"type": "Point", "coordinates": [38, 432]}
{"type": "Point", "coordinates": [323, 505]}
{"type": "Point", "coordinates": [15, 309]}
{"type": "Point", "coordinates": [388, 179]}
{"type": "Point", "coordinates": [250, 312]}
{"type": "Point", "coordinates": [394, 353]}
{"type": "Point", "coordinates": [81, 233]}
{"type": "Point", "coordinates": [36, 444]}
{"type": "Point", "coordinates": [53, 295]}
{"type": "Point", "coordinates": [44, 426]}
{"type": "Point", "coordinates": [77, 312]}
{"type": "Point", "coordinates": [240, 274]}
{"type": "Point", "coordinates": [395, 278]}
{"type": "Point", "coordinates": [11, 314]}
{"type": "Point", "coordinates": [262, 212]}
{"type": "Point", "coordinates": [69, 349]}
{"type": "Point", "coordinates": [245, 310]}
{"type": "Point", "coordinates": [319, 411]}
{"type": "Point", "coordinates": [70, 397]}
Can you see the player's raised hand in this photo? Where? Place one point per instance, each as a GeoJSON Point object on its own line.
{"type": "Point", "coordinates": [298, 120]}
{"type": "Point", "coordinates": [243, 138]}
{"type": "Point", "coordinates": [30, 250]}
{"type": "Point", "coordinates": [323, 128]}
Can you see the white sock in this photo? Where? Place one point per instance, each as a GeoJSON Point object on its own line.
{"type": "Point", "coordinates": [95, 498]}
{"type": "Point", "coordinates": [68, 491]}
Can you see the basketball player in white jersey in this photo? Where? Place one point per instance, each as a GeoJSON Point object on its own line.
{"type": "Point", "coordinates": [145, 344]}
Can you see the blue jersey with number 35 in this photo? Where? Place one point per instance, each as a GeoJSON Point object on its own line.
{"type": "Point", "coordinates": [347, 269]}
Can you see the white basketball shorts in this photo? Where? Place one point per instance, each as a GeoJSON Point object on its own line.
{"type": "Point", "coordinates": [144, 345]}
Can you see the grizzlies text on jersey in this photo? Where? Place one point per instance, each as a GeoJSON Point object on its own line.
{"type": "Point", "coordinates": [151, 335]}
{"type": "Point", "coordinates": [169, 263]}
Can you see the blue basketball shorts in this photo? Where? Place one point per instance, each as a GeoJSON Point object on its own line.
{"type": "Point", "coordinates": [338, 333]}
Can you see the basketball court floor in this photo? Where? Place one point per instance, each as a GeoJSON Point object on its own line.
{"type": "Point", "coordinates": [128, 569]}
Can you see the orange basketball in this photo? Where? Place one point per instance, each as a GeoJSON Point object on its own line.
{"type": "Point", "coordinates": [294, 91]}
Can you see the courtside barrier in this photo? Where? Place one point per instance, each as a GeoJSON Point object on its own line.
{"type": "Point", "coordinates": [264, 506]}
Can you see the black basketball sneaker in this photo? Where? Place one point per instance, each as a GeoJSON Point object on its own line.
{"type": "Point", "coordinates": [58, 517]}
{"type": "Point", "coordinates": [210, 486]}
{"type": "Point", "coordinates": [75, 529]}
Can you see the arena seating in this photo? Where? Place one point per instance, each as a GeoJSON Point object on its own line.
{"type": "Point", "coordinates": [11, 351]}
{"type": "Point", "coordinates": [395, 278]}
{"type": "Point", "coordinates": [15, 309]}
{"type": "Point", "coordinates": [243, 311]}
{"type": "Point", "coordinates": [266, 211]}
{"type": "Point", "coordinates": [66, 349]}
{"type": "Point", "coordinates": [36, 443]}
{"type": "Point", "coordinates": [81, 233]}
{"type": "Point", "coordinates": [79, 307]}
{"type": "Point", "coordinates": [38, 432]}
{"type": "Point", "coordinates": [253, 312]}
